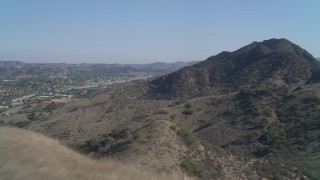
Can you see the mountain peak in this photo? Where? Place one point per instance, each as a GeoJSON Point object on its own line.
{"type": "Point", "coordinates": [277, 62]}
{"type": "Point", "coordinates": [273, 45]}
{"type": "Point", "coordinates": [282, 45]}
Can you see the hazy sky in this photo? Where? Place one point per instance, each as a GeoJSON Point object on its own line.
{"type": "Point", "coordinates": [140, 31]}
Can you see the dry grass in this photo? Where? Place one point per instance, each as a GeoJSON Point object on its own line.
{"type": "Point", "coordinates": [28, 155]}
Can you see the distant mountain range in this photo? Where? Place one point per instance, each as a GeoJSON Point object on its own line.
{"type": "Point", "coordinates": [10, 68]}
{"type": "Point", "coordinates": [160, 66]}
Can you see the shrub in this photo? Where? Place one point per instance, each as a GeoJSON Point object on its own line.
{"type": "Point", "coordinates": [20, 124]}
{"type": "Point", "coordinates": [274, 137]}
{"type": "Point", "coordinates": [163, 112]}
{"type": "Point", "coordinates": [188, 138]}
{"type": "Point", "coordinates": [176, 103]}
{"type": "Point", "coordinates": [192, 168]}
{"type": "Point", "coordinates": [214, 148]}
{"type": "Point", "coordinates": [174, 128]}
{"type": "Point", "coordinates": [53, 106]}
{"type": "Point", "coordinates": [187, 112]}
{"type": "Point", "coordinates": [32, 116]}
{"type": "Point", "coordinates": [311, 99]}
{"type": "Point", "coordinates": [188, 105]}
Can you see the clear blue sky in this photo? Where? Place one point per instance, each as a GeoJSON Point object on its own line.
{"type": "Point", "coordinates": [141, 31]}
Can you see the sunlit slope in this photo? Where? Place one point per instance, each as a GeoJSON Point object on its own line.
{"type": "Point", "coordinates": [28, 155]}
